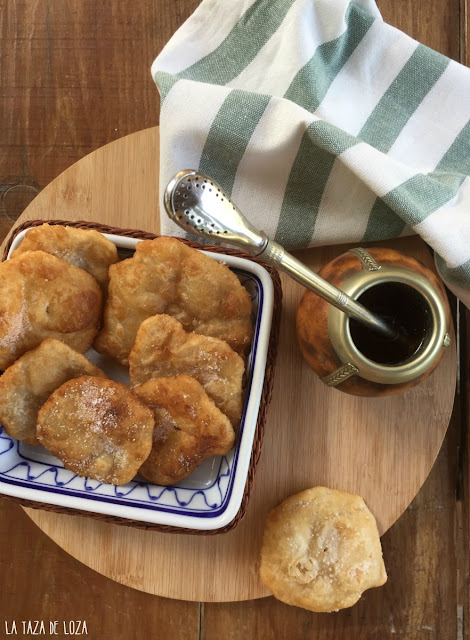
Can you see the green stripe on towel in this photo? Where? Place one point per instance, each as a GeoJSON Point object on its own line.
{"type": "Point", "coordinates": [438, 187]}
{"type": "Point", "coordinates": [419, 196]}
{"type": "Point", "coordinates": [457, 157]}
{"type": "Point", "coordinates": [320, 145]}
{"type": "Point", "coordinates": [311, 83]}
{"type": "Point", "coordinates": [397, 105]}
{"type": "Point", "coordinates": [230, 134]}
{"type": "Point", "coordinates": [242, 44]}
{"type": "Point", "coordinates": [383, 223]}
{"type": "Point", "coordinates": [165, 81]}
{"type": "Point", "coordinates": [459, 276]}
{"type": "Point", "coordinates": [384, 125]}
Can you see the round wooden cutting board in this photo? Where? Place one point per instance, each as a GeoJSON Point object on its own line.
{"type": "Point", "coordinates": [381, 449]}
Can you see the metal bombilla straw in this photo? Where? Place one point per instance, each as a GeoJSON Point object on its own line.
{"type": "Point", "coordinates": [198, 205]}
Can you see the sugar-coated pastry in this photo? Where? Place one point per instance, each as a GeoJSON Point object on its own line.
{"type": "Point", "coordinates": [41, 296]}
{"type": "Point", "coordinates": [163, 348]}
{"type": "Point", "coordinates": [84, 248]}
{"type": "Point", "coordinates": [188, 428]}
{"type": "Point", "coordinates": [167, 276]}
{"type": "Point", "coordinates": [27, 384]}
{"type": "Point", "coordinates": [97, 428]}
{"type": "Point", "coordinates": [321, 550]}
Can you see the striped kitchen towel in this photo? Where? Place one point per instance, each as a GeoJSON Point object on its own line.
{"type": "Point", "coordinates": [322, 123]}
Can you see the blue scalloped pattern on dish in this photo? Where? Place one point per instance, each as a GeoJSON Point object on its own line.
{"type": "Point", "coordinates": [21, 470]}
{"type": "Point", "coordinates": [34, 468]}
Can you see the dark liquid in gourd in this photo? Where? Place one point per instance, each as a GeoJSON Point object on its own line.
{"type": "Point", "coordinates": [404, 309]}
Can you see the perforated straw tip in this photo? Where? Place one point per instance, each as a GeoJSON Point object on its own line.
{"type": "Point", "coordinates": [168, 197]}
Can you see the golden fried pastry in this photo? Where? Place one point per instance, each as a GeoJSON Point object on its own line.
{"type": "Point", "coordinates": [42, 296]}
{"type": "Point", "coordinates": [321, 550]}
{"type": "Point", "coordinates": [26, 385]}
{"type": "Point", "coordinates": [166, 276]}
{"type": "Point", "coordinates": [188, 428]}
{"type": "Point", "coordinates": [97, 428]}
{"type": "Point", "coordinates": [163, 349]}
{"type": "Point", "coordinates": [84, 248]}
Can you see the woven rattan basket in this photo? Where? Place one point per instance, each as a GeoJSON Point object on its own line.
{"type": "Point", "coordinates": [265, 396]}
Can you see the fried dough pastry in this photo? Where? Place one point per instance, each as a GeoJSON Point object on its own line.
{"type": "Point", "coordinates": [321, 550]}
{"type": "Point", "coordinates": [83, 248]}
{"type": "Point", "coordinates": [97, 428]}
{"type": "Point", "coordinates": [188, 428]}
{"type": "Point", "coordinates": [163, 349]}
{"type": "Point", "coordinates": [166, 276]}
{"type": "Point", "coordinates": [42, 296]}
{"type": "Point", "coordinates": [27, 384]}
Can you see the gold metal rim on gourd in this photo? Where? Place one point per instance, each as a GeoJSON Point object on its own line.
{"type": "Point", "coordinates": [436, 340]}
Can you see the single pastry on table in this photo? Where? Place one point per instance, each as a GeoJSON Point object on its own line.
{"type": "Point", "coordinates": [97, 428]}
{"type": "Point", "coordinates": [188, 428]}
{"type": "Point", "coordinates": [166, 276]}
{"type": "Point", "coordinates": [163, 348]}
{"type": "Point", "coordinates": [84, 248]}
{"type": "Point", "coordinates": [27, 384]}
{"type": "Point", "coordinates": [321, 550]}
{"type": "Point", "coordinates": [41, 296]}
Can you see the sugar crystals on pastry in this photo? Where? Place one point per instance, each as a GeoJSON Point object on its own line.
{"type": "Point", "coordinates": [321, 550]}
{"type": "Point", "coordinates": [97, 428]}
{"type": "Point", "coordinates": [188, 428]}
{"type": "Point", "coordinates": [163, 348]}
{"type": "Point", "coordinates": [41, 296]}
{"type": "Point", "coordinates": [167, 276]}
{"type": "Point", "coordinates": [84, 248]}
{"type": "Point", "coordinates": [28, 383]}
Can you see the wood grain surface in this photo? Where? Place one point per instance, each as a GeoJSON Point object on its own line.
{"type": "Point", "coordinates": [74, 76]}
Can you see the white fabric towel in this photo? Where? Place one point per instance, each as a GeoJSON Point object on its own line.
{"type": "Point", "coordinates": [322, 123]}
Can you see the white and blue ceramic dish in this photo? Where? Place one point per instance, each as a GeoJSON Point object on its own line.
{"type": "Point", "coordinates": [210, 498]}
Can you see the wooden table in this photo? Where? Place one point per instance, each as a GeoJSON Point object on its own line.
{"type": "Point", "coordinates": [74, 76]}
